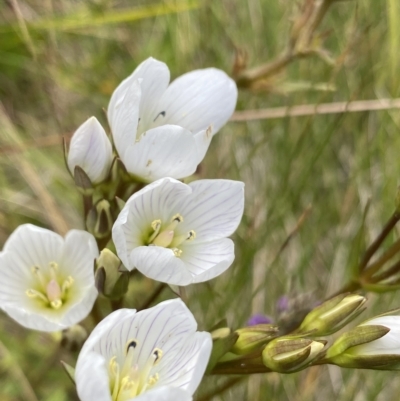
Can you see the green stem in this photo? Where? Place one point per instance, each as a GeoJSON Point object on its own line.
{"type": "Point", "coordinates": [378, 241]}
{"type": "Point", "coordinates": [219, 390]}
{"type": "Point", "coordinates": [157, 291]}
{"type": "Point", "coordinates": [374, 267]}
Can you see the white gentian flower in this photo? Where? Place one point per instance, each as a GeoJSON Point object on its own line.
{"type": "Point", "coordinates": [47, 281]}
{"type": "Point", "coordinates": [389, 344]}
{"type": "Point", "coordinates": [91, 150]}
{"type": "Point", "coordinates": [164, 131]}
{"type": "Point", "coordinates": [152, 355]}
{"type": "Point", "coordinates": [176, 233]}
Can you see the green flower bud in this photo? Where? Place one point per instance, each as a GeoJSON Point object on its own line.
{"type": "Point", "coordinates": [374, 344]}
{"type": "Point", "coordinates": [73, 338]}
{"type": "Point", "coordinates": [99, 220]}
{"type": "Point", "coordinates": [333, 314]}
{"type": "Point", "coordinates": [253, 338]}
{"type": "Point", "coordinates": [110, 280]}
{"type": "Point", "coordinates": [291, 354]}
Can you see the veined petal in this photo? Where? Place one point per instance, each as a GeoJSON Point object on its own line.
{"type": "Point", "coordinates": [125, 118]}
{"type": "Point", "coordinates": [98, 337]}
{"type": "Point", "coordinates": [213, 210]}
{"type": "Point", "coordinates": [26, 318]}
{"type": "Point", "coordinates": [91, 150]}
{"type": "Point", "coordinates": [198, 99]}
{"type": "Point", "coordinates": [186, 367]}
{"type": "Point", "coordinates": [48, 283]}
{"type": "Point", "coordinates": [154, 76]}
{"type": "Point", "coordinates": [82, 307]}
{"type": "Point", "coordinates": [151, 203]}
{"type": "Point", "coordinates": [164, 394]}
{"type": "Point", "coordinates": [203, 140]}
{"type": "Point", "coordinates": [152, 328]}
{"type": "Point", "coordinates": [40, 247]}
{"type": "Point", "coordinates": [80, 253]}
{"type": "Point", "coordinates": [160, 264]}
{"type": "Point", "coordinates": [91, 378]}
{"type": "Point", "coordinates": [166, 151]}
{"type": "Point", "coordinates": [208, 259]}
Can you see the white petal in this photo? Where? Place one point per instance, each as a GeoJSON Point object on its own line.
{"type": "Point", "coordinates": [213, 210]}
{"type": "Point", "coordinates": [91, 378]}
{"type": "Point", "coordinates": [98, 337]}
{"type": "Point", "coordinates": [155, 78]}
{"type": "Point", "coordinates": [164, 394]}
{"type": "Point", "coordinates": [199, 99]}
{"type": "Point", "coordinates": [151, 203]}
{"type": "Point", "coordinates": [33, 246]}
{"type": "Point", "coordinates": [152, 328]}
{"type": "Point", "coordinates": [167, 151]}
{"type": "Point", "coordinates": [160, 264]}
{"type": "Point", "coordinates": [80, 253]}
{"type": "Point", "coordinates": [30, 320]}
{"type": "Point", "coordinates": [91, 150]}
{"type": "Point", "coordinates": [209, 259]}
{"type": "Point", "coordinates": [81, 308]}
{"type": "Point", "coordinates": [125, 117]}
{"type": "Point", "coordinates": [203, 140]}
{"type": "Point", "coordinates": [186, 367]}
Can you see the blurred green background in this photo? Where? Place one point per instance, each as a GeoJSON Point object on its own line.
{"type": "Point", "coordinates": [59, 63]}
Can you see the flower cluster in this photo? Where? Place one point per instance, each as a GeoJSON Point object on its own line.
{"type": "Point", "coordinates": [135, 201]}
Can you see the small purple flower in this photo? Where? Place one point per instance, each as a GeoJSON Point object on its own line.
{"type": "Point", "coordinates": [282, 304]}
{"type": "Point", "coordinates": [258, 318]}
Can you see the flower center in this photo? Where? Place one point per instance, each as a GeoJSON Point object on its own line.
{"type": "Point", "coordinates": [126, 379]}
{"type": "Point", "coordinates": [167, 237]}
{"type": "Point", "coordinates": [49, 289]}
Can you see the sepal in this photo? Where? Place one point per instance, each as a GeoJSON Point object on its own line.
{"type": "Point", "coordinates": [291, 354]}
{"type": "Point", "coordinates": [254, 338]}
{"type": "Point", "coordinates": [333, 314]}
{"type": "Point", "coordinates": [110, 280]}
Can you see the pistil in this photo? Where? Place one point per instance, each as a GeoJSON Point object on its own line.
{"type": "Point", "coordinates": [167, 237]}
{"type": "Point", "coordinates": [129, 381]}
{"type": "Point", "coordinates": [49, 290]}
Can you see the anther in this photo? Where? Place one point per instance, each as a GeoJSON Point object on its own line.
{"type": "Point", "coordinates": [158, 355]}
{"type": "Point", "coordinates": [178, 218]}
{"type": "Point", "coordinates": [161, 113]}
{"type": "Point", "coordinates": [36, 294]}
{"type": "Point", "coordinates": [191, 235]}
{"type": "Point", "coordinates": [56, 304]}
{"type": "Point", "coordinates": [177, 252]}
{"type": "Point", "coordinates": [131, 344]}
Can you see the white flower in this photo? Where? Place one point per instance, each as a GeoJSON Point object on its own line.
{"type": "Point", "coordinates": [176, 233]}
{"type": "Point", "coordinates": [47, 282]}
{"type": "Point", "coordinates": [389, 344]}
{"type": "Point", "coordinates": [152, 355]}
{"type": "Point", "coordinates": [91, 150]}
{"type": "Point", "coordinates": [164, 131]}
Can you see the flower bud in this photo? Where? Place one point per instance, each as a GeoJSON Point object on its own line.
{"type": "Point", "coordinates": [109, 279]}
{"type": "Point", "coordinates": [91, 150]}
{"type": "Point", "coordinates": [375, 344]}
{"type": "Point", "coordinates": [333, 314]}
{"type": "Point", "coordinates": [253, 338]}
{"type": "Point", "coordinates": [290, 354]}
{"type": "Point", "coordinates": [99, 220]}
{"type": "Point", "coordinates": [74, 337]}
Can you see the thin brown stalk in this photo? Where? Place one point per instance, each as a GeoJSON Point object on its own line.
{"type": "Point", "coordinates": [317, 109]}
{"type": "Point", "coordinates": [221, 389]}
{"type": "Point", "coordinates": [32, 178]}
{"type": "Point", "coordinates": [375, 267]}
{"type": "Point", "coordinates": [17, 375]}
